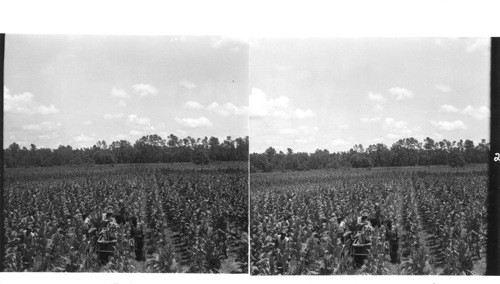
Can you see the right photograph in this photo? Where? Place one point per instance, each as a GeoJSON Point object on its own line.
{"type": "Point", "coordinates": [369, 156]}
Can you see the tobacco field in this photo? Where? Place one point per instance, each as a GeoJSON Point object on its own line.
{"type": "Point", "coordinates": [195, 217]}
{"type": "Point", "coordinates": [440, 214]}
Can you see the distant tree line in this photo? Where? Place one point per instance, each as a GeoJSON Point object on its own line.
{"type": "Point", "coordinates": [148, 149]}
{"type": "Point", "coordinates": [405, 152]}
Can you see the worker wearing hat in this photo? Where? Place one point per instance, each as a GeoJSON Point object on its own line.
{"type": "Point", "coordinates": [122, 215]}
{"type": "Point", "coordinates": [108, 224]}
{"type": "Point", "coordinates": [392, 237]}
{"type": "Point", "coordinates": [362, 222]}
{"type": "Point", "coordinates": [107, 236]}
{"type": "Point", "coordinates": [137, 233]}
{"type": "Point", "coordinates": [362, 240]}
{"type": "Point", "coordinates": [342, 228]}
{"type": "Point", "coordinates": [87, 225]}
{"type": "Point", "coordinates": [108, 214]}
{"type": "Point", "coordinates": [377, 217]}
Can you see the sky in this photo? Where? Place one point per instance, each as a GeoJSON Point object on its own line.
{"type": "Point", "coordinates": [333, 93]}
{"type": "Point", "coordinates": [299, 93]}
{"type": "Point", "coordinates": [76, 90]}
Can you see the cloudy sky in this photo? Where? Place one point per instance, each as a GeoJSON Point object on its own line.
{"type": "Point", "coordinates": [310, 94]}
{"type": "Point", "coordinates": [76, 90]}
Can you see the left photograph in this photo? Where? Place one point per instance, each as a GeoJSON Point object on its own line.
{"type": "Point", "coordinates": [126, 154]}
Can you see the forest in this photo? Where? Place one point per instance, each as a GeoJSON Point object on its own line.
{"type": "Point", "coordinates": [405, 152]}
{"type": "Point", "coordinates": [147, 149]}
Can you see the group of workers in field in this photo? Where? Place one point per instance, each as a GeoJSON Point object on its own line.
{"type": "Point", "coordinates": [357, 240]}
{"type": "Point", "coordinates": [101, 233]}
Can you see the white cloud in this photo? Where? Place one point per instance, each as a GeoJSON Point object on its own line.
{"type": "Point", "coordinates": [145, 90]}
{"type": "Point", "coordinates": [17, 103]}
{"type": "Point", "coordinates": [449, 125]}
{"type": "Point", "coordinates": [194, 122]}
{"type": "Point", "coordinates": [443, 88]}
{"type": "Point", "coordinates": [46, 125]}
{"type": "Point", "coordinates": [113, 116]}
{"type": "Point", "coordinates": [301, 130]}
{"type": "Point", "coordinates": [120, 93]}
{"type": "Point", "coordinates": [42, 109]}
{"type": "Point", "coordinates": [233, 44]}
{"type": "Point", "coordinates": [236, 110]}
{"type": "Point", "coordinates": [87, 122]}
{"type": "Point", "coordinates": [260, 106]}
{"type": "Point", "coordinates": [83, 138]}
{"type": "Point", "coordinates": [473, 44]}
{"type": "Point", "coordinates": [279, 107]}
{"type": "Point", "coordinates": [187, 84]}
{"type": "Point", "coordinates": [301, 114]}
{"type": "Point", "coordinates": [138, 121]}
{"type": "Point", "coordinates": [48, 136]}
{"type": "Point", "coordinates": [401, 93]}
{"type": "Point", "coordinates": [390, 123]}
{"type": "Point", "coordinates": [227, 109]}
{"type": "Point", "coordinates": [367, 120]}
{"type": "Point", "coordinates": [122, 103]}
{"type": "Point", "coordinates": [213, 106]}
{"type": "Point", "coordinates": [140, 124]}
{"type": "Point", "coordinates": [340, 144]}
{"type": "Point", "coordinates": [305, 140]}
{"type": "Point", "coordinates": [135, 132]}
{"type": "Point", "coordinates": [193, 105]}
{"type": "Point", "coordinates": [478, 113]}
{"type": "Point", "coordinates": [24, 104]}
{"type": "Point", "coordinates": [376, 97]}
{"type": "Point", "coordinates": [396, 129]}
{"type": "Point", "coordinates": [448, 108]}
{"type": "Point", "coordinates": [280, 114]}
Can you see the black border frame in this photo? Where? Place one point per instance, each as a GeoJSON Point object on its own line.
{"type": "Point", "coordinates": [493, 203]}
